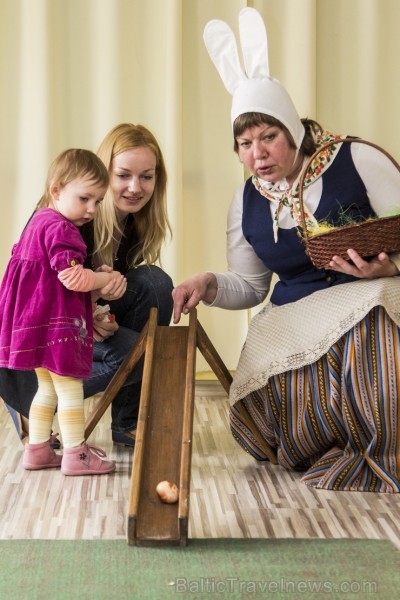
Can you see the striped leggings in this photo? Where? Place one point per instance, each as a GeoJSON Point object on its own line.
{"type": "Point", "coordinates": [66, 393]}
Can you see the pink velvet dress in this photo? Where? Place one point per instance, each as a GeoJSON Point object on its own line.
{"type": "Point", "coordinates": [42, 323]}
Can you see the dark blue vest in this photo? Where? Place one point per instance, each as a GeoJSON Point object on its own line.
{"type": "Point", "coordinates": [343, 192]}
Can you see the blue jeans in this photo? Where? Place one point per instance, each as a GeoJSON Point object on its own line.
{"type": "Point", "coordinates": [148, 286]}
{"type": "Point", "coordinates": [107, 357]}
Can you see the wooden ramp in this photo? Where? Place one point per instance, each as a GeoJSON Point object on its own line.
{"type": "Point", "coordinates": [163, 445]}
{"type": "Point", "coordinates": [164, 436]}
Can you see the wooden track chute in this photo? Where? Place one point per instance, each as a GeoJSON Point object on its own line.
{"type": "Point", "coordinates": [163, 446]}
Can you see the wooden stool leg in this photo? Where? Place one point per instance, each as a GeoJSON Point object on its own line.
{"type": "Point", "coordinates": [120, 377]}
{"type": "Point", "coordinates": [212, 357]}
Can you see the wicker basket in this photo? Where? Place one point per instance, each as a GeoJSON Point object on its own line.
{"type": "Point", "coordinates": [368, 238]}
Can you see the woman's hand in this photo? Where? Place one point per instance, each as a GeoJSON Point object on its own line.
{"type": "Point", "coordinates": [188, 294]}
{"type": "Point", "coordinates": [378, 266]}
{"type": "Point", "coordinates": [115, 288]}
{"type": "Point", "coordinates": [104, 324]}
{"type": "Point", "coordinates": [104, 328]}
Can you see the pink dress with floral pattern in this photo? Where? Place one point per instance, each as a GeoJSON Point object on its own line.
{"type": "Point", "coordinates": [42, 323]}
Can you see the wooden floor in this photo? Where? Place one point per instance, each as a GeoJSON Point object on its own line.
{"type": "Point", "coordinates": [231, 494]}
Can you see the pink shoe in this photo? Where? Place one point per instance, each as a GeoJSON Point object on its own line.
{"type": "Point", "coordinates": [40, 456]}
{"type": "Point", "coordinates": [85, 460]}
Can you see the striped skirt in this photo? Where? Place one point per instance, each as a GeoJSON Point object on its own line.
{"type": "Point", "coordinates": [336, 419]}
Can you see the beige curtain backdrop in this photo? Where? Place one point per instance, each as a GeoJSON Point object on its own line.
{"type": "Point", "coordinates": [72, 69]}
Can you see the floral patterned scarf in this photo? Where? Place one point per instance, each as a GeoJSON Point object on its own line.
{"type": "Point", "coordinates": [289, 197]}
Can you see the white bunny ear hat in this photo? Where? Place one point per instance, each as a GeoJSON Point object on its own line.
{"type": "Point", "coordinates": [253, 90]}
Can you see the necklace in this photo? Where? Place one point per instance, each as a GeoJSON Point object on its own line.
{"type": "Point", "coordinates": [118, 237]}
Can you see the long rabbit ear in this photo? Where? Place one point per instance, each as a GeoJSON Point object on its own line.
{"type": "Point", "coordinates": [222, 48]}
{"type": "Point", "coordinates": [253, 39]}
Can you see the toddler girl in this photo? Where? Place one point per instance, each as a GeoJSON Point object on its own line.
{"type": "Point", "coordinates": [46, 320]}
